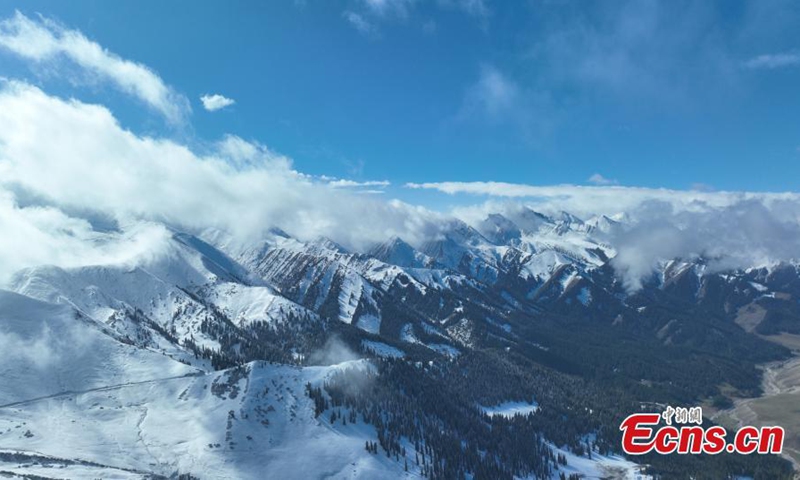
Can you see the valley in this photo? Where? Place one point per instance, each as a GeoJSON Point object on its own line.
{"type": "Point", "coordinates": [779, 404]}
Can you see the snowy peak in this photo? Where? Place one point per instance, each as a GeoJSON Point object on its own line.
{"type": "Point", "coordinates": [278, 232]}
{"type": "Point", "coordinates": [187, 295]}
{"type": "Point", "coordinates": [462, 234]}
{"type": "Point", "coordinates": [603, 224]}
{"type": "Point", "coordinates": [216, 262]}
{"type": "Point", "coordinates": [326, 243]}
{"type": "Point", "coordinates": [499, 229]}
{"type": "Point", "coordinates": [566, 217]}
{"type": "Point", "coordinates": [566, 222]}
{"type": "Point", "coordinates": [396, 251]}
{"type": "Point", "coordinates": [531, 221]}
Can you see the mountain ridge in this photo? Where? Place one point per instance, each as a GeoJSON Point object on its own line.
{"type": "Point", "coordinates": [543, 309]}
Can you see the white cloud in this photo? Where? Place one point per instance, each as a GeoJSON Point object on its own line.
{"type": "Point", "coordinates": [43, 40]}
{"type": "Point", "coordinates": [212, 103]}
{"type": "Point", "coordinates": [67, 167]}
{"type": "Point", "coordinates": [94, 165]}
{"type": "Point", "coordinates": [726, 229]}
{"type": "Point", "coordinates": [41, 235]}
{"type": "Point", "coordinates": [598, 179]}
{"type": "Point", "coordinates": [243, 154]}
{"type": "Point", "coordinates": [772, 61]}
{"type": "Point", "coordinates": [370, 192]}
{"type": "Point", "coordinates": [746, 233]}
{"type": "Point", "coordinates": [591, 200]}
{"type": "Point", "coordinates": [736, 231]}
{"type": "Point", "coordinates": [344, 183]}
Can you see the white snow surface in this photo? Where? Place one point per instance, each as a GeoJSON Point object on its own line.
{"type": "Point", "coordinates": [46, 349]}
{"type": "Point", "coordinates": [245, 305]}
{"type": "Point", "coordinates": [611, 467]}
{"type": "Point", "coordinates": [249, 423]}
{"type": "Point", "coordinates": [87, 392]}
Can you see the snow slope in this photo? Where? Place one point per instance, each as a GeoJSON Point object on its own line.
{"type": "Point", "coordinates": [609, 467]}
{"type": "Point", "coordinates": [92, 386]}
{"type": "Point", "coordinates": [46, 349]}
{"type": "Point", "coordinates": [250, 422]}
{"type": "Point", "coordinates": [179, 288]}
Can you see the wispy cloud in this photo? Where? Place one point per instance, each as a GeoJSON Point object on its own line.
{"type": "Point", "coordinates": [214, 102]}
{"type": "Point", "coordinates": [610, 199]}
{"type": "Point", "coordinates": [43, 40]}
{"type": "Point", "coordinates": [373, 187]}
{"type": "Point", "coordinates": [389, 7]}
{"type": "Point", "coordinates": [495, 98]}
{"type": "Point", "coordinates": [651, 54]}
{"type": "Point", "coordinates": [773, 61]}
{"type": "Point", "coordinates": [367, 15]}
{"type": "Point", "coordinates": [494, 94]}
{"type": "Point", "coordinates": [370, 192]}
{"type": "Point", "coordinates": [344, 183]}
{"type": "Point", "coordinates": [643, 57]}
{"type": "Point", "coordinates": [360, 23]}
{"type": "Point", "coordinates": [475, 8]}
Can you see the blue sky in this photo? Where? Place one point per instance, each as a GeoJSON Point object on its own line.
{"type": "Point", "coordinates": [654, 94]}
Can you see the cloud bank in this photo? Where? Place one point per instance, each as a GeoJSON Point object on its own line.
{"type": "Point", "coordinates": [97, 169]}
{"type": "Point", "coordinates": [729, 231]}
{"type": "Point", "coordinates": [108, 192]}
{"type": "Point", "coordinates": [587, 201]}
{"type": "Point", "coordinates": [744, 234]}
{"type": "Point", "coordinates": [77, 188]}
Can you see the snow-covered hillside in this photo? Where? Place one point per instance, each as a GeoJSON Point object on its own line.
{"type": "Point", "coordinates": [250, 422]}
{"type": "Point", "coordinates": [195, 358]}
{"type": "Point", "coordinates": [47, 349]}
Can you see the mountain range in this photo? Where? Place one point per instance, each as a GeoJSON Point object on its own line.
{"type": "Point", "coordinates": [510, 348]}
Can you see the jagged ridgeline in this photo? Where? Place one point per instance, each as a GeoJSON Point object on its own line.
{"type": "Point", "coordinates": [510, 350]}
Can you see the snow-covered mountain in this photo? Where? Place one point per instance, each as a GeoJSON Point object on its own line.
{"type": "Point", "coordinates": [220, 358]}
